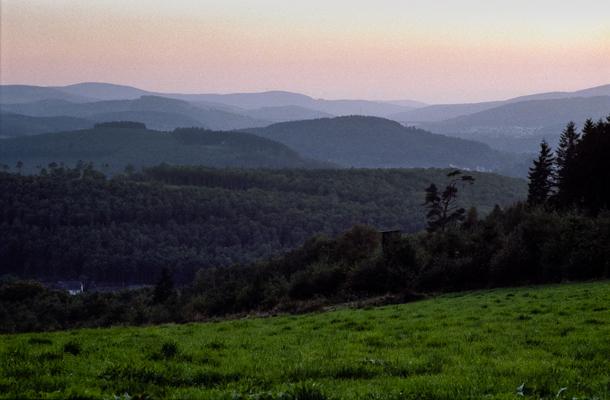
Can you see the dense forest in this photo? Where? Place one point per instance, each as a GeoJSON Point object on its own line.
{"type": "Point", "coordinates": [515, 246]}
{"type": "Point", "coordinates": [562, 233]}
{"type": "Point", "coordinates": [77, 224]}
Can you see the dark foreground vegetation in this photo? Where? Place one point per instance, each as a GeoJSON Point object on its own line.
{"type": "Point", "coordinates": [519, 343]}
{"type": "Point", "coordinates": [512, 247]}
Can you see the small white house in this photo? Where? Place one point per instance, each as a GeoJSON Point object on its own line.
{"type": "Point", "coordinates": [72, 287]}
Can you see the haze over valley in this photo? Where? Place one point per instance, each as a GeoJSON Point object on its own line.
{"type": "Point", "coordinates": [506, 132]}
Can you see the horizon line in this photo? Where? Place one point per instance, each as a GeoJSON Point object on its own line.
{"type": "Point", "coordinates": [152, 92]}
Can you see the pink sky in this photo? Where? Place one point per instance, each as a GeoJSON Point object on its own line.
{"type": "Point", "coordinates": [451, 51]}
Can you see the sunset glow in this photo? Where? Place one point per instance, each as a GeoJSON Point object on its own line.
{"type": "Point", "coordinates": [445, 51]}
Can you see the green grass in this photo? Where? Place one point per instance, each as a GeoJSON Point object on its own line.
{"type": "Point", "coordinates": [478, 345]}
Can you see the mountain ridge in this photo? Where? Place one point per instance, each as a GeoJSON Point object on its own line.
{"type": "Point", "coordinates": [117, 147]}
{"type": "Point", "coordinates": [373, 142]}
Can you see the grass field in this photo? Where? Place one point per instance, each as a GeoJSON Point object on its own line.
{"type": "Point", "coordinates": [536, 342]}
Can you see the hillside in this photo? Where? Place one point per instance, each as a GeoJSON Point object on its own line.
{"type": "Point", "coordinates": [11, 94]}
{"type": "Point", "coordinates": [103, 91]}
{"type": "Point", "coordinates": [369, 142]}
{"type": "Point", "coordinates": [13, 125]}
{"type": "Point", "coordinates": [176, 113]}
{"type": "Point", "coordinates": [252, 101]}
{"type": "Point", "coordinates": [532, 119]}
{"type": "Point", "coordinates": [284, 113]}
{"type": "Point", "coordinates": [233, 102]}
{"type": "Point", "coordinates": [541, 342]}
{"type": "Point", "coordinates": [118, 147]}
{"type": "Point", "coordinates": [186, 218]}
{"type": "Point", "coordinates": [533, 113]}
{"type": "Point", "coordinates": [442, 112]}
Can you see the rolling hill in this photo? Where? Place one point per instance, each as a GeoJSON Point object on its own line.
{"type": "Point", "coordinates": [118, 147]}
{"type": "Point", "coordinates": [284, 113]}
{"type": "Point", "coordinates": [520, 126]}
{"type": "Point", "coordinates": [14, 125]}
{"type": "Point", "coordinates": [252, 101]}
{"type": "Point", "coordinates": [533, 113]}
{"type": "Point", "coordinates": [103, 91]}
{"type": "Point", "coordinates": [234, 102]}
{"type": "Point", "coordinates": [442, 112]}
{"type": "Point", "coordinates": [145, 109]}
{"type": "Point", "coordinates": [12, 94]}
{"type": "Point", "coordinates": [370, 142]}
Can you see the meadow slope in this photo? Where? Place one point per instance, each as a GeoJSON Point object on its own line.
{"type": "Point", "coordinates": [543, 342]}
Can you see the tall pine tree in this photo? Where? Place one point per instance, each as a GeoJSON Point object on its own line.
{"type": "Point", "coordinates": [592, 174]}
{"type": "Point", "coordinates": [541, 176]}
{"type": "Point", "coordinates": [565, 158]}
{"type": "Point", "coordinates": [588, 128]}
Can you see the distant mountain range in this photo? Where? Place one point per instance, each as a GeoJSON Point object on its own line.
{"type": "Point", "coordinates": [156, 112]}
{"type": "Point", "coordinates": [111, 149]}
{"type": "Point", "coordinates": [514, 125]}
{"type": "Point", "coordinates": [236, 102]}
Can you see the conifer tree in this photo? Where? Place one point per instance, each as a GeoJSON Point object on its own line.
{"type": "Point", "coordinates": [565, 158]}
{"type": "Point", "coordinates": [592, 170]}
{"type": "Point", "coordinates": [541, 176]}
{"type": "Point", "coordinates": [588, 128]}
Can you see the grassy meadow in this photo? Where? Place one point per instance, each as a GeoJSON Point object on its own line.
{"type": "Point", "coordinates": [535, 342]}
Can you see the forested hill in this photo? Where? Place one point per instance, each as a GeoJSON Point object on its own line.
{"type": "Point", "coordinates": [112, 147]}
{"type": "Point", "coordinates": [78, 225]}
{"type": "Point", "coordinates": [370, 142]}
{"type": "Point", "coordinates": [14, 125]}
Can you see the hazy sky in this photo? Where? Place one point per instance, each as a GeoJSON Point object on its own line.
{"type": "Point", "coordinates": [429, 50]}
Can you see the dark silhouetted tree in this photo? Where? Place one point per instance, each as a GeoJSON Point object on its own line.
{"type": "Point", "coordinates": [565, 158]}
{"type": "Point", "coordinates": [164, 287]}
{"type": "Point", "coordinates": [443, 210]}
{"type": "Point", "coordinates": [592, 169]}
{"type": "Point", "coordinates": [541, 176]}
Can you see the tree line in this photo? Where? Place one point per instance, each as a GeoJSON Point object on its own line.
{"type": "Point", "coordinates": [577, 175]}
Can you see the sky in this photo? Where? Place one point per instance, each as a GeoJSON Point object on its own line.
{"type": "Point", "coordinates": [436, 51]}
